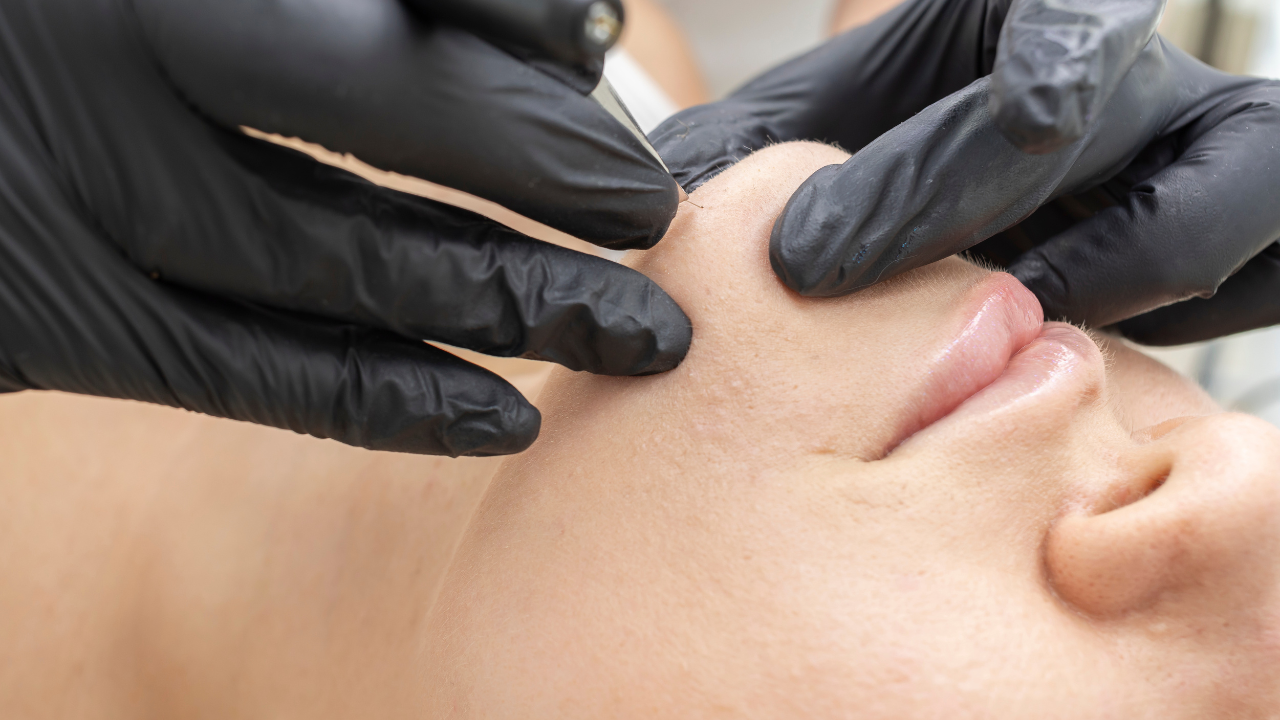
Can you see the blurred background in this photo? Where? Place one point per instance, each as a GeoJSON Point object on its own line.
{"type": "Point", "coordinates": [732, 40]}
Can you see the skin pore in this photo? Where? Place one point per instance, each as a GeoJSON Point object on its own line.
{"type": "Point", "coordinates": [823, 513]}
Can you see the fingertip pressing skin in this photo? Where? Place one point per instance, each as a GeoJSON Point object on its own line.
{"type": "Point", "coordinates": [800, 247]}
{"type": "Point", "coordinates": [650, 214]}
{"type": "Point", "coordinates": [765, 198]}
{"type": "Point", "coordinates": [947, 179]}
{"type": "Point", "coordinates": [606, 319]}
{"type": "Point", "coordinates": [437, 404]}
{"type": "Point", "coordinates": [508, 429]}
{"type": "Point", "coordinates": [672, 336]}
{"type": "Point", "coordinates": [1048, 285]}
{"type": "Point", "coordinates": [505, 427]}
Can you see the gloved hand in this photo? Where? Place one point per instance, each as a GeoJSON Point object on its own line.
{"type": "Point", "coordinates": [150, 250]}
{"type": "Point", "coordinates": [1193, 156]}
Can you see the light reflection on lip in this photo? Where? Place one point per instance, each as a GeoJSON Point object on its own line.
{"type": "Point", "coordinates": [1004, 353]}
{"type": "Point", "coordinates": [1062, 357]}
{"type": "Point", "coordinates": [1000, 317]}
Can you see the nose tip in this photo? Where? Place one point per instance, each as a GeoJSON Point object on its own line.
{"type": "Point", "coordinates": [1188, 528]}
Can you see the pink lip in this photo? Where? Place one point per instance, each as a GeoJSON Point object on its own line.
{"type": "Point", "coordinates": [1060, 357]}
{"type": "Point", "coordinates": [1004, 353]}
{"type": "Point", "coordinates": [1003, 317]}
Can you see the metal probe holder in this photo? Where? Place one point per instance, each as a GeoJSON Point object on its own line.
{"type": "Point", "coordinates": [607, 98]}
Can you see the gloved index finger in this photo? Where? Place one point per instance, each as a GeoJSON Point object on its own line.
{"type": "Point", "coordinates": [1059, 61]}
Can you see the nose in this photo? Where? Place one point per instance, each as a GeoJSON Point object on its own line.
{"type": "Point", "coordinates": [1192, 529]}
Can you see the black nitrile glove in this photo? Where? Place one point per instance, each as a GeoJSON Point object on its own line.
{"type": "Point", "coordinates": [149, 250]}
{"type": "Point", "coordinates": [1193, 156]}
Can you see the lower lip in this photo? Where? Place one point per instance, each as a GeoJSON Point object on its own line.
{"type": "Point", "coordinates": [1004, 354]}
{"type": "Point", "coordinates": [1001, 317]}
{"type": "Point", "coordinates": [1061, 359]}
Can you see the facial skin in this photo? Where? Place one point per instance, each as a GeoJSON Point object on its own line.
{"type": "Point", "coordinates": [861, 507]}
{"type": "Point", "coordinates": [698, 544]}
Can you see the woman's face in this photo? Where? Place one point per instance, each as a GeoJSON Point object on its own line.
{"type": "Point", "coordinates": [917, 501]}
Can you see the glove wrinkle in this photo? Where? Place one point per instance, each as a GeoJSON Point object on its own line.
{"type": "Point", "coordinates": [1058, 63]}
{"type": "Point", "coordinates": [362, 387]}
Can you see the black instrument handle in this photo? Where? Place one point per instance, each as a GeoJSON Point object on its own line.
{"type": "Point", "coordinates": [570, 31]}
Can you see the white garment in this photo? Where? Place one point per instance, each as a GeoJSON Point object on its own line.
{"type": "Point", "coordinates": [648, 102]}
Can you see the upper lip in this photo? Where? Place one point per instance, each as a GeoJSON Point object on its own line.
{"type": "Point", "coordinates": [999, 317]}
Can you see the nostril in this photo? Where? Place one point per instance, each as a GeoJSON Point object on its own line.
{"type": "Point", "coordinates": [1109, 554]}
{"type": "Point", "coordinates": [1135, 475]}
{"type": "Point", "coordinates": [1130, 492]}
{"type": "Point", "coordinates": [1207, 541]}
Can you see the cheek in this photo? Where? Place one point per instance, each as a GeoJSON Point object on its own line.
{"type": "Point", "coordinates": [834, 375]}
{"type": "Point", "coordinates": [1012, 475]}
{"type": "Point", "coordinates": [1146, 392]}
